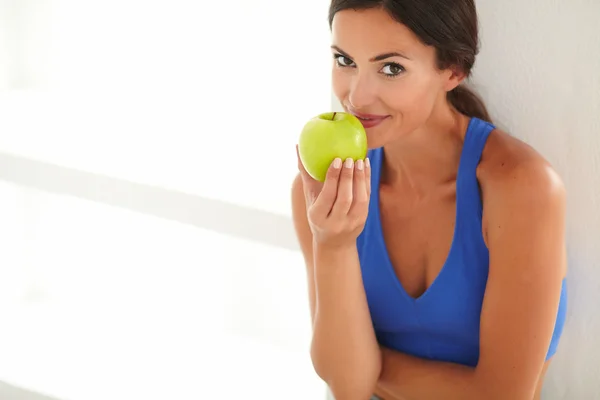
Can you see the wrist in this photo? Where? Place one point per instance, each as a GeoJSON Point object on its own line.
{"type": "Point", "coordinates": [333, 246]}
{"type": "Point", "coordinates": [334, 250]}
{"type": "Point", "coordinates": [330, 259]}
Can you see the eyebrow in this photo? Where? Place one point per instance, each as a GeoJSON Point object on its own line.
{"type": "Point", "coordinates": [380, 57]}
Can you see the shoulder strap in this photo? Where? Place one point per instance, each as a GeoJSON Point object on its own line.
{"type": "Point", "coordinates": [468, 196]}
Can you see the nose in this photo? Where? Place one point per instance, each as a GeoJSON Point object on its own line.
{"type": "Point", "coordinates": [362, 92]}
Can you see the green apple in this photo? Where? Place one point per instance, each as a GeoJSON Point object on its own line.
{"type": "Point", "coordinates": [329, 136]}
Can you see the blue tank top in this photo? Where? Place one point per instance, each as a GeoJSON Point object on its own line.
{"type": "Point", "coordinates": [443, 323]}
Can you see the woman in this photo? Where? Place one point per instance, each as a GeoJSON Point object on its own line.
{"type": "Point", "coordinates": [437, 265]}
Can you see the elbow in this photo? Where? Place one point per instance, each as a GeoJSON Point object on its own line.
{"type": "Point", "coordinates": [348, 377]}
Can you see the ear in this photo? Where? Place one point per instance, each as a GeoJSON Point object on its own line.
{"type": "Point", "coordinates": [453, 77]}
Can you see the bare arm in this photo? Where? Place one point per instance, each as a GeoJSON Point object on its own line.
{"type": "Point", "coordinates": [344, 349]}
{"type": "Point", "coordinates": [525, 219]}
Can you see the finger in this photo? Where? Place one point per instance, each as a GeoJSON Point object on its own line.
{"type": "Point", "coordinates": [328, 194]}
{"type": "Point", "coordinates": [343, 201]}
{"type": "Point", "coordinates": [360, 197]}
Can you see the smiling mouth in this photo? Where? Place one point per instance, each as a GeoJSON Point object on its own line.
{"type": "Point", "coordinates": [369, 122]}
{"type": "Point", "coordinates": [370, 118]}
{"type": "Point", "coordinates": [366, 117]}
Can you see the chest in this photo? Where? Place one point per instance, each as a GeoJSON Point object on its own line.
{"type": "Point", "coordinates": [418, 235]}
{"type": "Point", "coordinates": [424, 267]}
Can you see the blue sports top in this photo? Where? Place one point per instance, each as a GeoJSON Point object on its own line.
{"type": "Point", "coordinates": [443, 323]}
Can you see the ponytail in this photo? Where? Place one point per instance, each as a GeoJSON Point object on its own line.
{"type": "Point", "coordinates": [468, 103]}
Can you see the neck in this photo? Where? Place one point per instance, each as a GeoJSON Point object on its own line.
{"type": "Point", "coordinates": [427, 157]}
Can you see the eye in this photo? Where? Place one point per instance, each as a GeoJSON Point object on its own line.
{"type": "Point", "coordinates": [342, 60]}
{"type": "Point", "coordinates": [392, 69]}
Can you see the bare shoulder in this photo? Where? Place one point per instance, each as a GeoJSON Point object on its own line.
{"type": "Point", "coordinates": [511, 167]}
{"type": "Point", "coordinates": [518, 182]}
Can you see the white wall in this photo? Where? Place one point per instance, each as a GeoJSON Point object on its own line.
{"type": "Point", "coordinates": [189, 99]}
{"type": "Point", "coordinates": [183, 95]}
{"type": "Point", "coordinates": [98, 302]}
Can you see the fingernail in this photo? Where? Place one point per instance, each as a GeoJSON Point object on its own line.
{"type": "Point", "coordinates": [337, 163]}
{"type": "Point", "coordinates": [368, 162]}
{"type": "Point", "coordinates": [359, 165]}
{"type": "Point", "coordinates": [349, 163]}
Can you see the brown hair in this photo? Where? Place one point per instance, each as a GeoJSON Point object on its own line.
{"type": "Point", "coordinates": [450, 26]}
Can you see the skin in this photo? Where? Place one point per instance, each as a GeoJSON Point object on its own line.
{"type": "Point", "coordinates": [523, 228]}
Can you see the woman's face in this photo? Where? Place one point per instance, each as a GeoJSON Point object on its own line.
{"type": "Point", "coordinates": [382, 71]}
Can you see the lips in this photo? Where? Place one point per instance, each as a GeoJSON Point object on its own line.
{"type": "Point", "coordinates": [368, 120]}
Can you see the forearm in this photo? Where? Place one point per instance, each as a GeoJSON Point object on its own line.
{"type": "Point", "coordinates": [412, 378]}
{"type": "Point", "coordinates": [344, 349]}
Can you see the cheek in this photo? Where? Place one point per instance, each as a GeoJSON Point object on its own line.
{"type": "Point", "coordinates": [340, 84]}
{"type": "Point", "coordinates": [413, 98]}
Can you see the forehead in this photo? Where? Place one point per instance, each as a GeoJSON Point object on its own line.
{"type": "Point", "coordinates": [373, 31]}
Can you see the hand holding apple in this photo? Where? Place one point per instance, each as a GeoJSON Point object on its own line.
{"type": "Point", "coordinates": [336, 178]}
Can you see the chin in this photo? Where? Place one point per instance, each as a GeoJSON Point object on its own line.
{"type": "Point", "coordinates": [379, 138]}
{"type": "Point", "coordinates": [374, 141]}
